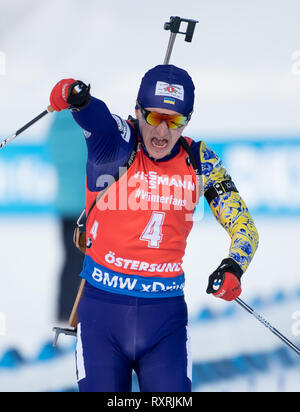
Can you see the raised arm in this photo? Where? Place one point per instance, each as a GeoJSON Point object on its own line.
{"type": "Point", "coordinates": [109, 138]}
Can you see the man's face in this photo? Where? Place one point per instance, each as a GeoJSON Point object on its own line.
{"type": "Point", "coordinates": [160, 140]}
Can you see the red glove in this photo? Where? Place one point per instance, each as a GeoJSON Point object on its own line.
{"type": "Point", "coordinates": [225, 282]}
{"type": "Point", "coordinates": [60, 94]}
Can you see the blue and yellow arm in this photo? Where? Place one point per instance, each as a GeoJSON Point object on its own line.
{"type": "Point", "coordinates": [230, 210]}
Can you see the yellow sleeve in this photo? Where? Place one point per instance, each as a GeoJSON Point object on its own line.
{"type": "Point", "coordinates": [230, 210]}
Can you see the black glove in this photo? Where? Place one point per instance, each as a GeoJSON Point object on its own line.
{"type": "Point", "coordinates": [224, 282]}
{"type": "Point", "coordinates": [79, 95]}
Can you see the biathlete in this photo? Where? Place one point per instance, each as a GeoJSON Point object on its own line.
{"type": "Point", "coordinates": [143, 182]}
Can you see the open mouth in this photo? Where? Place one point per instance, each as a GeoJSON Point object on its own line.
{"type": "Point", "coordinates": [159, 143]}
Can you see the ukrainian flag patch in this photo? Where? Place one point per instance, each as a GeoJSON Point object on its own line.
{"type": "Point", "coordinates": [169, 100]}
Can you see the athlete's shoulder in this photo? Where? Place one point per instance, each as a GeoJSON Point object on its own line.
{"type": "Point", "coordinates": [208, 155]}
{"type": "Point", "coordinates": [212, 166]}
{"type": "Point", "coordinates": [199, 145]}
{"type": "Point", "coordinates": [208, 161]}
{"type": "Point", "coordinates": [206, 158]}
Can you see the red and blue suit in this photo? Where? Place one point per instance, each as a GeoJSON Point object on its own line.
{"type": "Point", "coordinates": [132, 315]}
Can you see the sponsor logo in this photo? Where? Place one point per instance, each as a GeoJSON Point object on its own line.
{"type": "Point", "coordinates": [143, 191]}
{"type": "Point", "coordinates": [154, 180]}
{"type": "Point", "coordinates": [139, 266]}
{"type": "Point", "coordinates": [130, 283]}
{"type": "Point", "coordinates": [123, 127]}
{"type": "Point", "coordinates": [169, 90]}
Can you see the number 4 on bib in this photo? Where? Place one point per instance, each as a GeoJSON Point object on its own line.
{"type": "Point", "coordinates": [153, 231]}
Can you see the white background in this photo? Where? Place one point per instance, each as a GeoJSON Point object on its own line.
{"type": "Point", "coordinates": [243, 58]}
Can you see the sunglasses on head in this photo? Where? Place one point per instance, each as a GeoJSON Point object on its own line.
{"type": "Point", "coordinates": [174, 121]}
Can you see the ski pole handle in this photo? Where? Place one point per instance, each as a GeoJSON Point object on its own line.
{"type": "Point", "coordinates": [9, 139]}
{"type": "Point", "coordinates": [174, 26]}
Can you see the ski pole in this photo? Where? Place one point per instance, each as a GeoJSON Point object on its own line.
{"type": "Point", "coordinates": [267, 325]}
{"type": "Point", "coordinates": [26, 126]}
{"type": "Point", "coordinates": [174, 26]}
